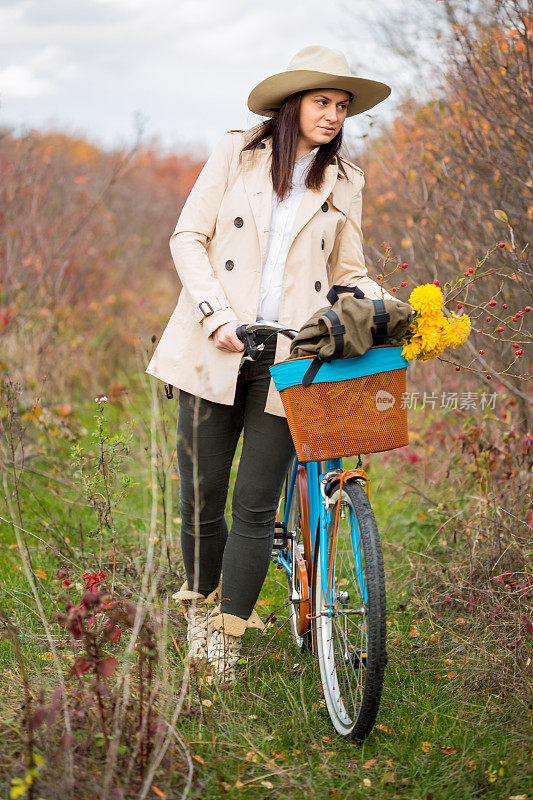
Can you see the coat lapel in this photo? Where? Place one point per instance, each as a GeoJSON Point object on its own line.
{"type": "Point", "coordinates": [312, 201]}
{"type": "Point", "coordinates": [258, 185]}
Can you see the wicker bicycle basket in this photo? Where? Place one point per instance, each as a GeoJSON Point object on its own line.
{"type": "Point", "coordinates": [353, 406]}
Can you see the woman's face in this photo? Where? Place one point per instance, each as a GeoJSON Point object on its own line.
{"type": "Point", "coordinates": [322, 114]}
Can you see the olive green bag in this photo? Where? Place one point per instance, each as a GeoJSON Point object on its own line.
{"type": "Point", "coordinates": [352, 325]}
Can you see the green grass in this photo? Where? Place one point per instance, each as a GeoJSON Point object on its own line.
{"type": "Point", "coordinates": [270, 735]}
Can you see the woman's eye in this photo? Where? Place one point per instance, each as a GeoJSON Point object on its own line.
{"type": "Point", "coordinates": [344, 106]}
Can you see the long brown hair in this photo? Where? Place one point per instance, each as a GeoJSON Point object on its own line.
{"type": "Point", "coordinates": [283, 127]}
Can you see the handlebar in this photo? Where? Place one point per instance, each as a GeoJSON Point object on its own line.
{"type": "Point", "coordinates": [252, 349]}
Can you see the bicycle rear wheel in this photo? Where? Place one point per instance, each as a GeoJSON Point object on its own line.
{"type": "Point", "coordinates": [350, 643]}
{"type": "Point", "coordinates": [298, 555]}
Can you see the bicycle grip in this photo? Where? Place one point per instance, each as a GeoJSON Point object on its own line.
{"type": "Point", "coordinates": [240, 333]}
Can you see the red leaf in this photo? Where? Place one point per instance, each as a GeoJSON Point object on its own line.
{"type": "Point", "coordinates": [80, 666]}
{"type": "Point", "coordinates": [112, 634]}
{"type": "Point", "coordinates": [107, 666]}
{"type": "Point", "coordinates": [90, 599]}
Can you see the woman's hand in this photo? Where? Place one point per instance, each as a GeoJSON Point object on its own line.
{"type": "Point", "coordinates": [226, 339]}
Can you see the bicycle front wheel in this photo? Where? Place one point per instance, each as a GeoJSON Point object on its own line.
{"type": "Point", "coordinates": [349, 614]}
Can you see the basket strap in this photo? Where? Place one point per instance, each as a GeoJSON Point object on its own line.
{"type": "Point", "coordinates": [380, 319]}
{"type": "Point", "coordinates": [333, 294]}
{"type": "Point", "coordinates": [311, 371]}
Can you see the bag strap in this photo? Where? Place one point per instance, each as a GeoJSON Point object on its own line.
{"type": "Point", "coordinates": [333, 294]}
{"type": "Point", "coordinates": [337, 331]}
{"type": "Point", "coordinates": [380, 320]}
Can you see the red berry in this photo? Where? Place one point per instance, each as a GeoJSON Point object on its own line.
{"type": "Point", "coordinates": [515, 344]}
{"type": "Point", "coordinates": [404, 266]}
{"type": "Point", "coordinates": [457, 369]}
{"type": "Point", "coordinates": [519, 352]}
{"type": "Point", "coordinates": [489, 377]}
{"type": "Point", "coordinates": [470, 270]}
{"type": "Point", "coordinates": [481, 352]}
{"type": "Point", "coordinates": [380, 277]}
{"type": "Point", "coordinates": [459, 305]}
{"type": "Point", "coordinates": [504, 305]}
{"type": "Point", "coordinates": [465, 274]}
{"type": "Point", "coordinates": [394, 288]}
{"type": "Point", "coordinates": [501, 244]}
{"type": "Point", "coordinates": [499, 329]}
{"type": "Point", "coordinates": [403, 283]}
{"type": "Point", "coordinates": [492, 303]}
{"type": "Point", "coordinates": [527, 308]}
{"type": "Point", "coordinates": [436, 283]}
{"type": "Point", "coordinates": [515, 319]}
{"type": "Point", "coordinates": [488, 319]}
{"type": "Point", "coordinates": [519, 313]}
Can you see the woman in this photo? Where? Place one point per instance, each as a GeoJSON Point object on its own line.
{"type": "Point", "coordinates": [272, 221]}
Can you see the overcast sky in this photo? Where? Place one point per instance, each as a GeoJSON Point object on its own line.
{"type": "Point", "coordinates": [186, 66]}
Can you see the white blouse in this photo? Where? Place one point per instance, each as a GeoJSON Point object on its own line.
{"type": "Point", "coordinates": [283, 214]}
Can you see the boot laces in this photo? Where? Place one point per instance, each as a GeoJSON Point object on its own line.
{"type": "Point", "coordinates": [197, 622]}
{"type": "Point", "coordinates": [224, 646]}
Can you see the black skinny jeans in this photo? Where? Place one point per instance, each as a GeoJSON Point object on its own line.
{"type": "Point", "coordinates": [207, 449]}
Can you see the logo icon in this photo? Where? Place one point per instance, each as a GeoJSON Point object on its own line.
{"type": "Point", "coordinates": [384, 400]}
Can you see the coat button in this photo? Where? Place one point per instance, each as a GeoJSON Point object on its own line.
{"type": "Point", "coordinates": [325, 206]}
{"type": "Point", "coordinates": [238, 222]}
{"type": "Point", "coordinates": [229, 265]}
{"type": "Point", "coordinates": [318, 286]}
{"type": "Point", "coordinates": [322, 244]}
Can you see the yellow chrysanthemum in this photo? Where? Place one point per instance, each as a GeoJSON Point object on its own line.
{"type": "Point", "coordinates": [432, 332]}
{"type": "Point", "coordinates": [457, 330]}
{"type": "Point", "coordinates": [411, 350]}
{"type": "Point", "coordinates": [427, 299]}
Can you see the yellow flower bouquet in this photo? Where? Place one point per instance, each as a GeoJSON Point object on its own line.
{"type": "Point", "coordinates": [431, 331]}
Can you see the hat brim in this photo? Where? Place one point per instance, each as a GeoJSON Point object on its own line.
{"type": "Point", "coordinates": [266, 98]}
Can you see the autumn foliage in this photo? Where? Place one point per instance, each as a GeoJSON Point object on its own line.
{"type": "Point", "coordinates": [451, 179]}
{"type": "Point", "coordinates": [85, 269]}
{"type": "Point", "coordinates": [86, 286]}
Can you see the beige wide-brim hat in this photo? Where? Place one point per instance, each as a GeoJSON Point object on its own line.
{"type": "Point", "coordinates": [316, 67]}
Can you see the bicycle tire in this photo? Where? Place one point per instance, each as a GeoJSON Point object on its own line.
{"type": "Point", "coordinates": [300, 604]}
{"type": "Point", "coordinates": [352, 655]}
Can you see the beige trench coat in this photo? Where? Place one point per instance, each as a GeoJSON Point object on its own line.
{"type": "Point", "coordinates": [219, 246]}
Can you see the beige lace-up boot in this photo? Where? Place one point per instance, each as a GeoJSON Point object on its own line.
{"type": "Point", "coordinates": [196, 608]}
{"type": "Point", "coordinates": [225, 632]}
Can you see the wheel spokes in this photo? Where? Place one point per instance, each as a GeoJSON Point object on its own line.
{"type": "Point", "coordinates": [345, 631]}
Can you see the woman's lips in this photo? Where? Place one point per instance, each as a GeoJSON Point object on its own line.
{"type": "Point", "coordinates": [329, 130]}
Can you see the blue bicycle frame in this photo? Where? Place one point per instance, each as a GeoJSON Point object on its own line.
{"type": "Point", "coordinates": [318, 512]}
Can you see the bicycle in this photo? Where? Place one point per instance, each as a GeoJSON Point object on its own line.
{"type": "Point", "coordinates": [327, 542]}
